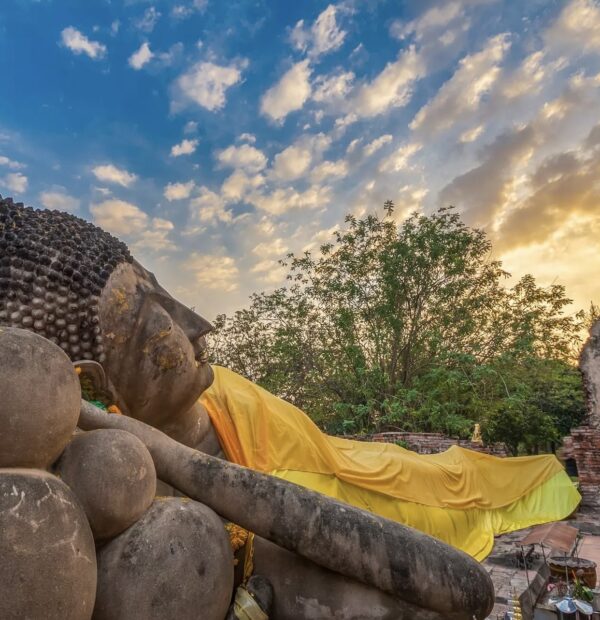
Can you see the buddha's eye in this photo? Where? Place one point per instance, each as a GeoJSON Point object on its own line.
{"type": "Point", "coordinates": [192, 325]}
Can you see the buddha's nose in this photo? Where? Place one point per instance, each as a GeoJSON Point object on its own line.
{"type": "Point", "coordinates": [193, 325]}
{"type": "Point", "coordinates": [202, 327]}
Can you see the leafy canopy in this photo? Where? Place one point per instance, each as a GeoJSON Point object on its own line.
{"type": "Point", "coordinates": [410, 327]}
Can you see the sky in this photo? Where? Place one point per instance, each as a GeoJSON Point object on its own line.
{"type": "Point", "coordinates": [215, 137]}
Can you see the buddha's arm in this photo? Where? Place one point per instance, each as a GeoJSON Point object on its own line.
{"type": "Point", "coordinates": [195, 430]}
{"type": "Point", "coordinates": [381, 553]}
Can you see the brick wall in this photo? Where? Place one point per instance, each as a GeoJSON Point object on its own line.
{"type": "Point", "coordinates": [583, 445]}
{"type": "Point", "coordinates": [432, 443]}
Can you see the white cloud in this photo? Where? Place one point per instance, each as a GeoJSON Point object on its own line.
{"type": "Point", "coordinates": [119, 217]}
{"type": "Point", "coordinates": [345, 121]}
{"type": "Point", "coordinates": [111, 174]}
{"type": "Point", "coordinates": [247, 137]}
{"type": "Point", "coordinates": [238, 184]}
{"type": "Point", "coordinates": [16, 182]}
{"type": "Point", "coordinates": [126, 219]}
{"type": "Point", "coordinates": [399, 159]}
{"type": "Point", "coordinates": [269, 271]}
{"type": "Point", "coordinates": [353, 145]}
{"type": "Point", "coordinates": [245, 156]}
{"type": "Point", "coordinates": [266, 226]}
{"type": "Point", "coordinates": [78, 43]}
{"type": "Point", "coordinates": [114, 27]}
{"type": "Point", "coordinates": [282, 200]}
{"type": "Point", "coordinates": [289, 94]}
{"type": "Point", "coordinates": [178, 191]}
{"type": "Point", "coordinates": [209, 207]}
{"type": "Point", "coordinates": [141, 57]}
{"type": "Point", "coordinates": [317, 143]}
{"type": "Point", "coordinates": [329, 169]}
{"type": "Point", "coordinates": [527, 78]}
{"type": "Point", "coordinates": [322, 37]}
{"type": "Point", "coordinates": [295, 161]}
{"type": "Point", "coordinates": [263, 265]}
{"type": "Point", "coordinates": [376, 144]}
{"type": "Point", "coordinates": [319, 238]}
{"type": "Point", "coordinates": [460, 96]}
{"type": "Point", "coordinates": [435, 19]}
{"type": "Point", "coordinates": [166, 59]}
{"type": "Point", "coordinates": [59, 200]}
{"type": "Point", "coordinates": [148, 19]}
{"type": "Point", "coordinates": [470, 135]}
{"type": "Point", "coordinates": [190, 127]}
{"type": "Point", "coordinates": [577, 28]}
{"type": "Point", "coordinates": [214, 271]}
{"type": "Point", "coordinates": [154, 238]}
{"type": "Point", "coordinates": [205, 84]}
{"type": "Point", "coordinates": [10, 163]}
{"type": "Point", "coordinates": [182, 11]}
{"type": "Point", "coordinates": [104, 191]}
{"type": "Point", "coordinates": [332, 88]}
{"type": "Point", "coordinates": [185, 147]}
{"type": "Point", "coordinates": [392, 87]}
{"type": "Point", "coordinates": [291, 163]}
{"type": "Point", "coordinates": [274, 247]}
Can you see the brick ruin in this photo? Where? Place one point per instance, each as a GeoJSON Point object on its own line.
{"type": "Point", "coordinates": [583, 444]}
{"type": "Point", "coordinates": [432, 443]}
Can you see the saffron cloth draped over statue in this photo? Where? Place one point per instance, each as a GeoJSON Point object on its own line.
{"type": "Point", "coordinates": [459, 496]}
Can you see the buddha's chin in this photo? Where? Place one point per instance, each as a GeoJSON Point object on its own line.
{"type": "Point", "coordinates": [205, 377]}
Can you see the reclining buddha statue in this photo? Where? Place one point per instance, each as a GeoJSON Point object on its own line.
{"type": "Point", "coordinates": [80, 288]}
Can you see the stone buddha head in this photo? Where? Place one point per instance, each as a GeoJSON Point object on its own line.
{"type": "Point", "coordinates": [79, 286]}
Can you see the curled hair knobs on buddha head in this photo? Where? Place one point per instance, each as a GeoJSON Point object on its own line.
{"type": "Point", "coordinates": [53, 267]}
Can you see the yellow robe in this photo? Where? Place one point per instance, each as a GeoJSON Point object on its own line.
{"type": "Point", "coordinates": [459, 496]}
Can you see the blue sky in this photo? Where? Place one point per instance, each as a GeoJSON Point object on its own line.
{"type": "Point", "coordinates": [214, 137]}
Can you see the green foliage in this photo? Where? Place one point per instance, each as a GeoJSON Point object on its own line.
{"type": "Point", "coordinates": [410, 327]}
{"type": "Point", "coordinates": [582, 592]}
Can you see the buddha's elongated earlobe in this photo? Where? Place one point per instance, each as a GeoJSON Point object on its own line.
{"type": "Point", "coordinates": [95, 385]}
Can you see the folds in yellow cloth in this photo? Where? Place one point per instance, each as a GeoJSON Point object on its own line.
{"type": "Point", "coordinates": [459, 496]}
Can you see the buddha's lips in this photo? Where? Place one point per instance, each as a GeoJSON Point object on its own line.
{"type": "Point", "coordinates": [202, 357]}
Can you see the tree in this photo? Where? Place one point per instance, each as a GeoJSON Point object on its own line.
{"type": "Point", "coordinates": [408, 327]}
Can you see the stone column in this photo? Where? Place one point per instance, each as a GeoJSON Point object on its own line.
{"type": "Point", "coordinates": [583, 444]}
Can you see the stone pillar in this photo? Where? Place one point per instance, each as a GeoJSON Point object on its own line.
{"type": "Point", "coordinates": [583, 444]}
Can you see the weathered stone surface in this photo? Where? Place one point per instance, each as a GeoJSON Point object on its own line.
{"type": "Point", "coordinates": [40, 396]}
{"type": "Point", "coordinates": [583, 444]}
{"type": "Point", "coordinates": [47, 555]}
{"type": "Point", "coordinates": [589, 364]}
{"type": "Point", "coordinates": [153, 352]}
{"type": "Point", "coordinates": [113, 476]}
{"type": "Point", "coordinates": [398, 560]}
{"type": "Point", "coordinates": [305, 590]}
{"type": "Point", "coordinates": [175, 562]}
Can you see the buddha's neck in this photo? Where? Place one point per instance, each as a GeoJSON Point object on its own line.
{"type": "Point", "coordinates": [194, 429]}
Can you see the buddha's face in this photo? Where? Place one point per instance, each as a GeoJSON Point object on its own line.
{"type": "Point", "coordinates": [156, 356]}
